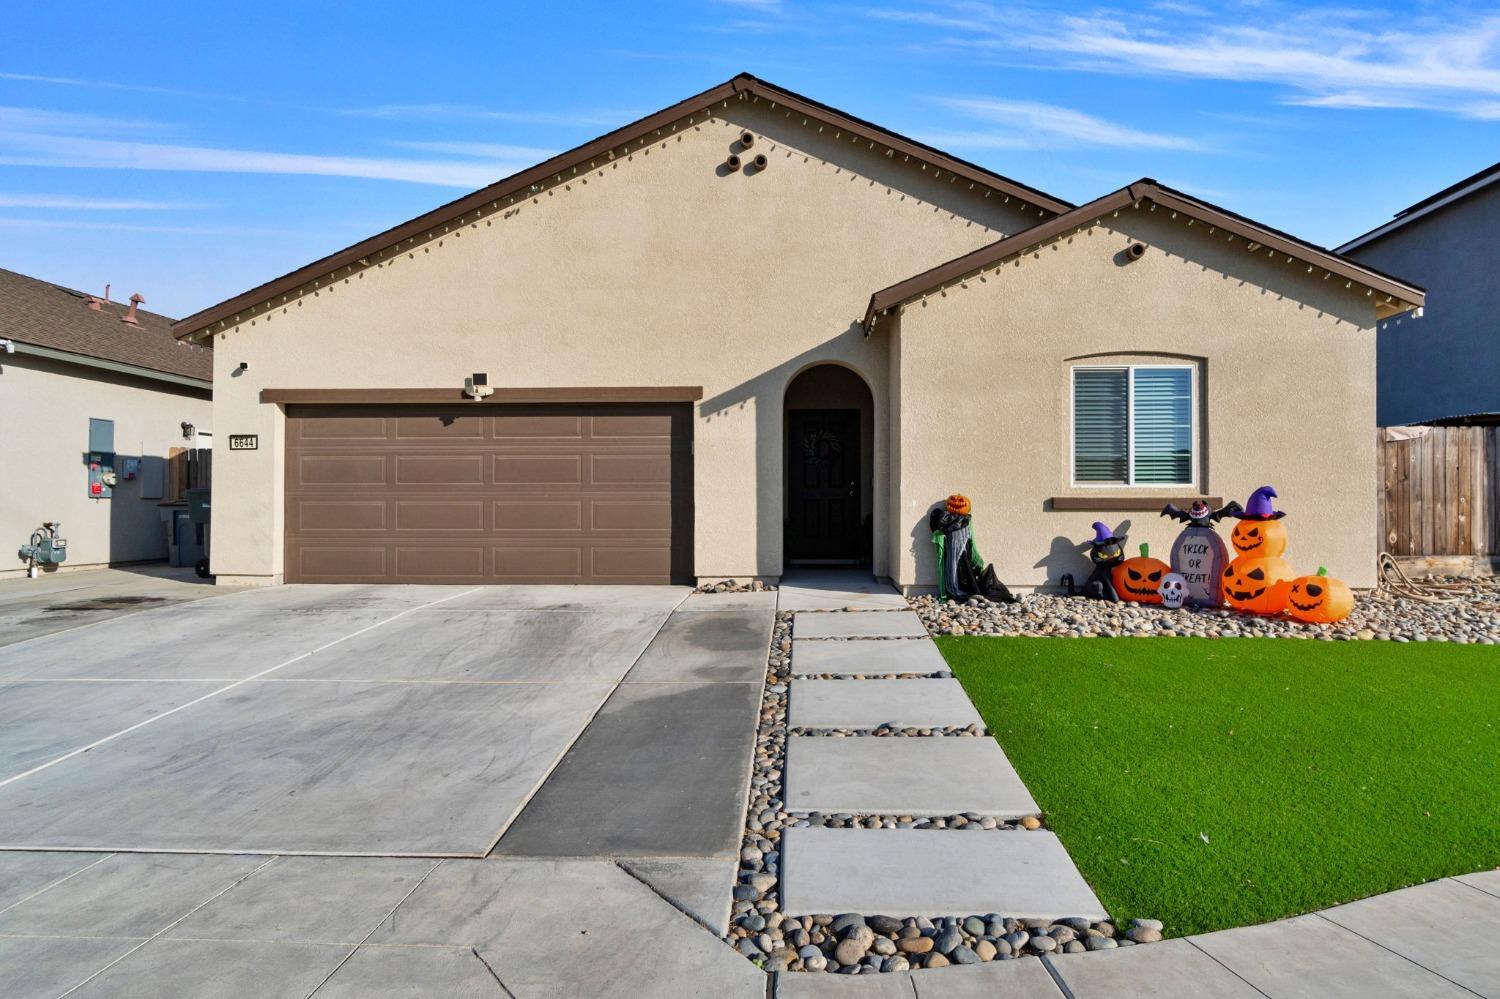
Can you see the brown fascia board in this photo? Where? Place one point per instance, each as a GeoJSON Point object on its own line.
{"type": "Point", "coordinates": [501, 396]}
{"type": "Point", "coordinates": [550, 169]}
{"type": "Point", "coordinates": [1144, 190]}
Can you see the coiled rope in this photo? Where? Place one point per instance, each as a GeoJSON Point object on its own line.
{"type": "Point", "coordinates": [1395, 579]}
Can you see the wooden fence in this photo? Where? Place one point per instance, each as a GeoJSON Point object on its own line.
{"type": "Point", "coordinates": [1440, 493]}
{"type": "Point", "coordinates": [188, 468]}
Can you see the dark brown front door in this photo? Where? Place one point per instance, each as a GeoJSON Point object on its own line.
{"type": "Point", "coordinates": [822, 454]}
{"type": "Point", "coordinates": [486, 493]}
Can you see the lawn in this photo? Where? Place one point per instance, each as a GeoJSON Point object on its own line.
{"type": "Point", "coordinates": [1218, 782]}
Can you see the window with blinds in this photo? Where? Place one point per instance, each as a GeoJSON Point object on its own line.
{"type": "Point", "coordinates": [1133, 425]}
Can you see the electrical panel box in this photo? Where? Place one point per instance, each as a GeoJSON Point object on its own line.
{"type": "Point", "coordinates": [101, 462]}
{"type": "Point", "coordinates": [130, 468]}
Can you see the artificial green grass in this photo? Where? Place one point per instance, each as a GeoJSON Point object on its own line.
{"type": "Point", "coordinates": [1219, 782]}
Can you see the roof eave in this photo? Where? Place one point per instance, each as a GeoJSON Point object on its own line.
{"type": "Point", "coordinates": [1402, 297]}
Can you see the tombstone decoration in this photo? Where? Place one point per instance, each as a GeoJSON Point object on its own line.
{"type": "Point", "coordinates": [1106, 553]}
{"type": "Point", "coordinates": [1199, 554]}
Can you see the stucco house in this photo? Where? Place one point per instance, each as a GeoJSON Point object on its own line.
{"type": "Point", "coordinates": [750, 331]}
{"type": "Point", "coordinates": [94, 396]}
{"type": "Point", "coordinates": [1445, 366]}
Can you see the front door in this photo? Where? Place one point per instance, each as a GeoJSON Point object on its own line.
{"type": "Point", "coordinates": [822, 454]}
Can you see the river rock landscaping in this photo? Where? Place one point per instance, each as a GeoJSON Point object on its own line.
{"type": "Point", "coordinates": [855, 943]}
{"type": "Point", "coordinates": [1380, 615]}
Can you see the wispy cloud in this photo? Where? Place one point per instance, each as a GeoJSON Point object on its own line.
{"type": "Point", "coordinates": [73, 81]}
{"type": "Point", "coordinates": [486, 150]}
{"type": "Point", "coordinates": [89, 204]}
{"type": "Point", "coordinates": [1035, 125]}
{"type": "Point", "coordinates": [30, 223]}
{"type": "Point", "coordinates": [472, 112]}
{"type": "Point", "coordinates": [38, 149]}
{"type": "Point", "coordinates": [1329, 57]}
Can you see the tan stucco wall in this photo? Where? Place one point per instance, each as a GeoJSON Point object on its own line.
{"type": "Point", "coordinates": [1286, 362]}
{"type": "Point", "coordinates": [45, 406]}
{"type": "Point", "coordinates": [659, 268]}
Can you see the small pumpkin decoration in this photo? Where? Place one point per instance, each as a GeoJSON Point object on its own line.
{"type": "Point", "coordinates": [1257, 584]}
{"type": "Point", "coordinates": [957, 504]}
{"type": "Point", "coordinates": [1139, 579]}
{"type": "Point", "coordinates": [1319, 599]}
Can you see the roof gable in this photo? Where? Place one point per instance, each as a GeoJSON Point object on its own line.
{"type": "Point", "coordinates": [1397, 296]}
{"type": "Point", "coordinates": [537, 178]}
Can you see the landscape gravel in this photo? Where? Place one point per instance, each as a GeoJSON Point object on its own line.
{"type": "Point", "coordinates": [1377, 615]}
{"type": "Point", "coordinates": [858, 943]}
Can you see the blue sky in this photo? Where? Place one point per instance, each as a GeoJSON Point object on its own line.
{"type": "Point", "coordinates": [191, 150]}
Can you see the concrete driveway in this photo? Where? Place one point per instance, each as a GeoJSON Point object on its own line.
{"type": "Point", "coordinates": [289, 790]}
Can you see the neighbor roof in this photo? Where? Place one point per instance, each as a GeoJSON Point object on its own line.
{"type": "Point", "coordinates": [1442, 199]}
{"type": "Point", "coordinates": [43, 314]}
{"type": "Point", "coordinates": [1145, 190]}
{"type": "Point", "coordinates": [741, 85]}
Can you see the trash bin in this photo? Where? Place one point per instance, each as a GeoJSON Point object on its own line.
{"type": "Point", "coordinates": [198, 511]}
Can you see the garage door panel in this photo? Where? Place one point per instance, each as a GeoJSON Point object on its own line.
{"type": "Point", "coordinates": [440, 427]}
{"type": "Point", "coordinates": [338, 515]}
{"type": "Point", "coordinates": [440, 469]}
{"type": "Point", "coordinates": [658, 425]}
{"type": "Point", "coordinates": [622, 564]}
{"type": "Point", "coordinates": [341, 563]}
{"type": "Point", "coordinates": [541, 514]}
{"type": "Point", "coordinates": [634, 516]}
{"type": "Point", "coordinates": [446, 562]}
{"type": "Point", "coordinates": [631, 470]}
{"type": "Point", "coordinates": [521, 564]}
{"type": "Point", "coordinates": [539, 470]}
{"type": "Point", "coordinates": [540, 428]}
{"type": "Point", "coordinates": [440, 516]}
{"type": "Point", "coordinates": [461, 494]}
{"type": "Point", "coordinates": [343, 428]}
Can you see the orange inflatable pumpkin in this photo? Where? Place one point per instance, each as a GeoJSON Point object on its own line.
{"type": "Point", "coordinates": [1258, 585]}
{"type": "Point", "coordinates": [1319, 599]}
{"type": "Point", "coordinates": [1139, 579]}
{"type": "Point", "coordinates": [1266, 538]}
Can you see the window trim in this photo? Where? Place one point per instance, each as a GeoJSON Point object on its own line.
{"type": "Point", "coordinates": [1130, 369]}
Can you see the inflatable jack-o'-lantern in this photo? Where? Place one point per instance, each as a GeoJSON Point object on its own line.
{"type": "Point", "coordinates": [1258, 585]}
{"type": "Point", "coordinates": [1260, 531]}
{"type": "Point", "coordinates": [1139, 579]}
{"type": "Point", "coordinates": [1319, 599]}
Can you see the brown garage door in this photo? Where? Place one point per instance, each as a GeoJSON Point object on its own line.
{"type": "Point", "coordinates": [485, 493]}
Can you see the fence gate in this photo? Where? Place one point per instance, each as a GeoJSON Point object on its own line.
{"type": "Point", "coordinates": [1440, 493]}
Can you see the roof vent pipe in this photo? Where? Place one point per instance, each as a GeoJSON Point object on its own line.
{"type": "Point", "coordinates": [129, 316]}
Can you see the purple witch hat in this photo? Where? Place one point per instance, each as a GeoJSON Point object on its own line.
{"type": "Point", "coordinates": [1259, 506]}
{"type": "Point", "coordinates": [1102, 534]}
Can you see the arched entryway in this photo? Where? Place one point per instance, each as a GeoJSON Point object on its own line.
{"type": "Point", "coordinates": [829, 416]}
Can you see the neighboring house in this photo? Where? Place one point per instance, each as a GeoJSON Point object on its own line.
{"type": "Point", "coordinates": [80, 376]}
{"type": "Point", "coordinates": [691, 378]}
{"type": "Point", "coordinates": [1445, 366]}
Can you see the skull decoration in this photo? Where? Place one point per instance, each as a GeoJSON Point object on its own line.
{"type": "Point", "coordinates": [1174, 590]}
